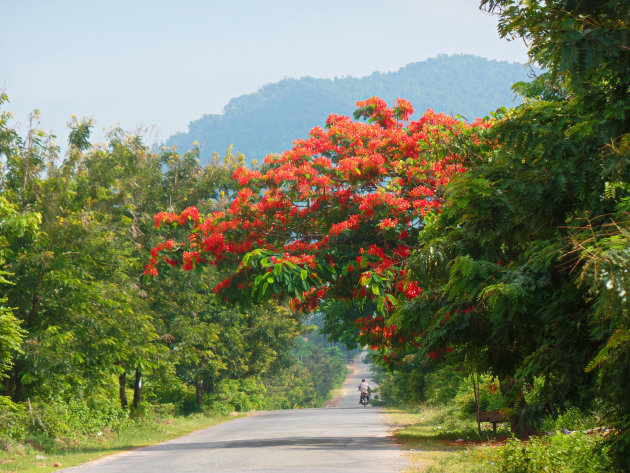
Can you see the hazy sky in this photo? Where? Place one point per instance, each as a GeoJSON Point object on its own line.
{"type": "Point", "coordinates": [138, 63]}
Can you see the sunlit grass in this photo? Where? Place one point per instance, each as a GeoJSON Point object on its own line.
{"type": "Point", "coordinates": [434, 444]}
{"type": "Point", "coordinates": [27, 458]}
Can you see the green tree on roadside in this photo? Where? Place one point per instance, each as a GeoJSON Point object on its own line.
{"type": "Point", "coordinates": [524, 269]}
{"type": "Point", "coordinates": [12, 225]}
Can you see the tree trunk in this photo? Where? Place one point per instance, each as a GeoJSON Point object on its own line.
{"type": "Point", "coordinates": [137, 389]}
{"type": "Point", "coordinates": [475, 381]}
{"type": "Point", "coordinates": [122, 387]}
{"type": "Point", "coordinates": [13, 383]}
{"type": "Point", "coordinates": [17, 394]}
{"type": "Point", "coordinates": [200, 388]}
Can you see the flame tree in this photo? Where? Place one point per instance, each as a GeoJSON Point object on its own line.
{"type": "Point", "coordinates": [334, 218]}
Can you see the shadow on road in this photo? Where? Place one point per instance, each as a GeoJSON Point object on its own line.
{"type": "Point", "coordinates": [342, 443]}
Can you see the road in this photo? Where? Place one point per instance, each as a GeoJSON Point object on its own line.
{"type": "Point", "coordinates": [345, 438]}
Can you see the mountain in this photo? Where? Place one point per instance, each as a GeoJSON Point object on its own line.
{"type": "Point", "coordinates": [268, 120]}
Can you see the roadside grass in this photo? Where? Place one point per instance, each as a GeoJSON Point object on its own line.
{"type": "Point", "coordinates": [439, 441]}
{"type": "Point", "coordinates": [30, 457]}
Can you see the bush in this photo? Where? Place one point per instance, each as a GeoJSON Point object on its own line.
{"type": "Point", "coordinates": [46, 421]}
{"type": "Point", "coordinates": [574, 453]}
{"type": "Point", "coordinates": [290, 389]}
{"type": "Point", "coordinates": [571, 418]}
{"type": "Point", "coordinates": [13, 421]}
{"type": "Point", "coordinates": [490, 398]}
{"type": "Point", "coordinates": [236, 395]}
{"type": "Point", "coordinates": [442, 385]}
{"type": "Point", "coordinates": [57, 418]}
{"type": "Point", "coordinates": [404, 388]}
{"type": "Point", "coordinates": [183, 397]}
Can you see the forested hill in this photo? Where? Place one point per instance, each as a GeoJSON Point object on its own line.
{"type": "Point", "coordinates": [271, 118]}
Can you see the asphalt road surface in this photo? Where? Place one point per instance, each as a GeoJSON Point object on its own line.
{"type": "Point", "coordinates": [344, 437]}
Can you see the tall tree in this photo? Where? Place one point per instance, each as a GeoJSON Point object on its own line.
{"type": "Point", "coordinates": [523, 268]}
{"type": "Point", "coordinates": [336, 216]}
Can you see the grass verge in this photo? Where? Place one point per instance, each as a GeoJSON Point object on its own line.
{"type": "Point", "coordinates": [31, 457]}
{"type": "Point", "coordinates": [438, 442]}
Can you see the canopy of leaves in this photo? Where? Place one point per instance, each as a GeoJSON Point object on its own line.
{"type": "Point", "coordinates": [333, 218]}
{"type": "Point", "coordinates": [75, 319]}
{"type": "Point", "coordinates": [524, 269]}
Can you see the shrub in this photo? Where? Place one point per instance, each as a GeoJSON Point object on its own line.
{"type": "Point", "coordinates": [57, 418]}
{"type": "Point", "coordinates": [13, 420]}
{"type": "Point", "coordinates": [574, 453]}
{"type": "Point", "coordinates": [236, 395]}
{"type": "Point", "coordinates": [443, 384]}
{"type": "Point", "coordinates": [490, 398]}
{"type": "Point", "coordinates": [572, 418]}
{"type": "Point", "coordinates": [178, 394]}
{"type": "Point", "coordinates": [401, 387]}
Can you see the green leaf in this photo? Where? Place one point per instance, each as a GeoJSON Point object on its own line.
{"type": "Point", "coordinates": [380, 304]}
{"type": "Point", "coordinates": [246, 259]}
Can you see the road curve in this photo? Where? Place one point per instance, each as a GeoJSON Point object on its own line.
{"type": "Point", "coordinates": [347, 438]}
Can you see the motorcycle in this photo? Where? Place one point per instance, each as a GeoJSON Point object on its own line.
{"type": "Point", "coordinates": [365, 399]}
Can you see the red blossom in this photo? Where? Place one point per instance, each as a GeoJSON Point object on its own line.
{"type": "Point", "coordinates": [191, 213]}
{"type": "Point", "coordinates": [345, 204]}
{"type": "Point", "coordinates": [165, 218]}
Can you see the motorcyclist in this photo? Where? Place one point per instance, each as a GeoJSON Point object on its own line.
{"type": "Point", "coordinates": [365, 390]}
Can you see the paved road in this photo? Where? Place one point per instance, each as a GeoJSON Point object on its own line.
{"type": "Point", "coordinates": [347, 438]}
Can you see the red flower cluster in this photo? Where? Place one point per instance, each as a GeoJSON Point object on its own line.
{"type": "Point", "coordinates": [412, 290]}
{"type": "Point", "coordinates": [168, 245]}
{"type": "Point", "coordinates": [191, 258]}
{"type": "Point", "coordinates": [439, 354]}
{"type": "Point", "coordinates": [376, 333]}
{"type": "Point", "coordinates": [336, 215]}
{"type": "Point", "coordinates": [166, 218]}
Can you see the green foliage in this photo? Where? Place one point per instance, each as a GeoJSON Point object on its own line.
{"type": "Point", "coordinates": [11, 336]}
{"type": "Point", "coordinates": [236, 395]}
{"type": "Point", "coordinates": [140, 432]}
{"type": "Point", "coordinates": [13, 420]}
{"type": "Point", "coordinates": [402, 387]}
{"type": "Point", "coordinates": [571, 419]}
{"type": "Point", "coordinates": [21, 226]}
{"type": "Point", "coordinates": [56, 419]}
{"type": "Point", "coordinates": [80, 333]}
{"type": "Point", "coordinates": [524, 271]}
{"type": "Point", "coordinates": [60, 418]}
{"type": "Point", "coordinates": [339, 320]}
{"type": "Point", "coordinates": [569, 38]}
{"type": "Point", "coordinates": [439, 385]}
{"type": "Point", "coordinates": [318, 369]}
{"type": "Point", "coordinates": [174, 392]}
{"type": "Point", "coordinates": [574, 453]}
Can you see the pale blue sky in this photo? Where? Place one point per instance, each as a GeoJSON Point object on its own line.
{"type": "Point", "coordinates": [140, 63]}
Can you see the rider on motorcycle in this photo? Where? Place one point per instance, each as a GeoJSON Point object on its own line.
{"type": "Point", "coordinates": [365, 390]}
